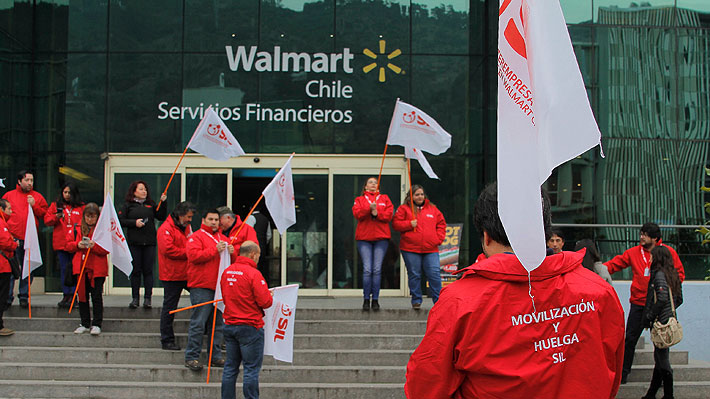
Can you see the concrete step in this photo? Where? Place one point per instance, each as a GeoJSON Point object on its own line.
{"type": "Point", "coordinates": [185, 390]}
{"type": "Point", "coordinates": [168, 373]}
{"type": "Point", "coordinates": [682, 389]}
{"type": "Point", "coordinates": [152, 340]}
{"type": "Point", "coordinates": [301, 357]}
{"type": "Point", "coordinates": [644, 356]}
{"type": "Point", "coordinates": [181, 325]}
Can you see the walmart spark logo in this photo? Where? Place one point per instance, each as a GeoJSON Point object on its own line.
{"type": "Point", "coordinates": [391, 66]}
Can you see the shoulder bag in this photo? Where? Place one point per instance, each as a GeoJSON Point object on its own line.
{"type": "Point", "coordinates": [14, 265]}
{"type": "Point", "coordinates": [670, 333]}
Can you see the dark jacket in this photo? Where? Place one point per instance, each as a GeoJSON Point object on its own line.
{"type": "Point", "coordinates": [661, 309]}
{"type": "Point", "coordinates": [132, 211]}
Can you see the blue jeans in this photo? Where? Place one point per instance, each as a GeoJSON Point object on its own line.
{"type": "Point", "coordinates": [417, 263]}
{"type": "Point", "coordinates": [65, 267]}
{"type": "Point", "coordinates": [245, 344]}
{"type": "Point", "coordinates": [372, 254]}
{"type": "Point", "coordinates": [199, 318]}
{"type": "Point", "coordinates": [23, 291]}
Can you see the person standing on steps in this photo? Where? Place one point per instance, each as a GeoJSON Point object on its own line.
{"type": "Point", "coordinates": [138, 216]}
{"type": "Point", "coordinates": [7, 245]}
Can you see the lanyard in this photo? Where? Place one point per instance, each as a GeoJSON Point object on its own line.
{"type": "Point", "coordinates": [209, 235]}
{"type": "Point", "coordinates": [643, 255]}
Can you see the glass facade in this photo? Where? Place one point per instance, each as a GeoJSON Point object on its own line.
{"type": "Point", "coordinates": [80, 78]}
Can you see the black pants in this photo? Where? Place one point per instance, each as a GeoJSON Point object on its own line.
{"type": "Point", "coordinates": [4, 289]}
{"type": "Point", "coordinates": [171, 297]}
{"type": "Point", "coordinates": [634, 328]}
{"type": "Point", "coordinates": [97, 301]}
{"type": "Point", "coordinates": [143, 262]}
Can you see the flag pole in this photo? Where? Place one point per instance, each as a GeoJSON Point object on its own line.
{"type": "Point", "coordinates": [29, 281]}
{"type": "Point", "coordinates": [411, 194]}
{"type": "Point", "coordinates": [382, 164]}
{"type": "Point", "coordinates": [214, 321]}
{"type": "Point", "coordinates": [245, 219]}
{"type": "Point", "coordinates": [194, 306]}
{"type": "Point", "coordinates": [78, 281]}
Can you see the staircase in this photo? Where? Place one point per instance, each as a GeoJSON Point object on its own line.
{"type": "Point", "coordinates": [340, 352]}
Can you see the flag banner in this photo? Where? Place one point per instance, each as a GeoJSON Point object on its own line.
{"type": "Point", "coordinates": [279, 321]}
{"type": "Point", "coordinates": [33, 255]}
{"type": "Point", "coordinates": [279, 198]}
{"type": "Point", "coordinates": [419, 156]}
{"type": "Point", "coordinates": [109, 236]}
{"type": "Point", "coordinates": [213, 139]}
{"type": "Point", "coordinates": [544, 117]}
{"type": "Point", "coordinates": [224, 262]}
{"type": "Point", "coordinates": [411, 127]}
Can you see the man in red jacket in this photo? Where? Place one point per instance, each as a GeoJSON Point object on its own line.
{"type": "Point", "coordinates": [229, 224]}
{"type": "Point", "coordinates": [203, 258]}
{"type": "Point", "coordinates": [639, 258]}
{"type": "Point", "coordinates": [499, 332]}
{"type": "Point", "coordinates": [172, 266]}
{"type": "Point", "coordinates": [22, 197]}
{"type": "Point", "coordinates": [7, 246]}
{"type": "Point", "coordinates": [245, 295]}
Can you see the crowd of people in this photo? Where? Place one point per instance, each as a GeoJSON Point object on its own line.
{"type": "Point", "coordinates": [491, 332]}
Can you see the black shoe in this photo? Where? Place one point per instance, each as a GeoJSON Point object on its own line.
{"type": "Point", "coordinates": [147, 303]}
{"type": "Point", "coordinates": [193, 365]}
{"type": "Point", "coordinates": [217, 363]}
{"type": "Point", "coordinates": [171, 346]}
{"type": "Point", "coordinates": [375, 305]}
{"type": "Point", "coordinates": [366, 305]}
{"type": "Point", "coordinates": [133, 304]}
{"type": "Point", "coordinates": [24, 303]}
{"type": "Point", "coordinates": [623, 378]}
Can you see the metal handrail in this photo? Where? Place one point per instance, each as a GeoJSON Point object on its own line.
{"type": "Point", "coordinates": [637, 226]}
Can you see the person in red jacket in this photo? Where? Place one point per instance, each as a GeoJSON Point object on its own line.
{"type": "Point", "coordinates": [499, 332]}
{"type": "Point", "coordinates": [172, 267]}
{"type": "Point", "coordinates": [63, 215]}
{"type": "Point", "coordinates": [22, 197]}
{"type": "Point", "coordinates": [245, 295]}
{"type": "Point", "coordinates": [203, 259]}
{"type": "Point", "coordinates": [94, 275]}
{"type": "Point", "coordinates": [373, 211]}
{"type": "Point", "coordinates": [419, 244]}
{"type": "Point", "coordinates": [639, 258]}
{"type": "Point", "coordinates": [7, 245]}
{"type": "Point", "coordinates": [229, 224]}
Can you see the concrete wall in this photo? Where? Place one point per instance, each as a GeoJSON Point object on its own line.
{"type": "Point", "coordinates": [694, 315]}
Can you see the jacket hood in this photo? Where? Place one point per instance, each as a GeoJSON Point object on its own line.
{"type": "Point", "coordinates": [507, 267]}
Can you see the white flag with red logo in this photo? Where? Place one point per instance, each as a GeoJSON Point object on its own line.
{"type": "Point", "coordinates": [419, 156]}
{"type": "Point", "coordinates": [224, 262]}
{"type": "Point", "coordinates": [213, 139]}
{"type": "Point", "coordinates": [109, 236]}
{"type": "Point", "coordinates": [279, 321]}
{"type": "Point", "coordinates": [411, 127]}
{"type": "Point", "coordinates": [544, 117]}
{"type": "Point", "coordinates": [279, 198]}
{"type": "Point", "coordinates": [33, 255]}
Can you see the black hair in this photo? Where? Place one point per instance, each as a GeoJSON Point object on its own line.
{"type": "Point", "coordinates": [555, 232]}
{"type": "Point", "coordinates": [211, 210]}
{"type": "Point", "coordinates": [591, 256]}
{"type": "Point", "coordinates": [486, 218]}
{"type": "Point", "coordinates": [414, 189]}
{"type": "Point", "coordinates": [131, 194]}
{"type": "Point", "coordinates": [4, 203]}
{"type": "Point", "coordinates": [183, 208]}
{"type": "Point", "coordinates": [21, 174]}
{"type": "Point", "coordinates": [663, 261]}
{"type": "Point", "coordinates": [75, 197]}
{"type": "Point", "coordinates": [652, 230]}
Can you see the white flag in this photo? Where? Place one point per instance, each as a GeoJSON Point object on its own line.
{"type": "Point", "coordinates": [411, 127]}
{"type": "Point", "coordinates": [224, 262]}
{"type": "Point", "coordinates": [109, 236]}
{"type": "Point", "coordinates": [544, 117]}
{"type": "Point", "coordinates": [280, 199]}
{"type": "Point", "coordinates": [279, 322]}
{"type": "Point", "coordinates": [419, 156]}
{"type": "Point", "coordinates": [33, 255]}
{"type": "Point", "coordinates": [213, 139]}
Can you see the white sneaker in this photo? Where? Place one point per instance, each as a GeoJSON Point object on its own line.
{"type": "Point", "coordinates": [81, 330]}
{"type": "Point", "coordinates": [95, 330]}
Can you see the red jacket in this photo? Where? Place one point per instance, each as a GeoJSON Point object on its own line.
{"type": "Point", "coordinates": [7, 245]}
{"type": "Point", "coordinates": [172, 251]}
{"type": "Point", "coordinates": [247, 234]}
{"type": "Point", "coordinates": [63, 226]}
{"type": "Point", "coordinates": [245, 294]}
{"type": "Point", "coordinates": [17, 223]}
{"type": "Point", "coordinates": [640, 261]}
{"type": "Point", "coordinates": [430, 231]}
{"type": "Point", "coordinates": [96, 265]}
{"type": "Point", "coordinates": [203, 258]}
{"type": "Point", "coordinates": [371, 228]}
{"type": "Point", "coordinates": [485, 340]}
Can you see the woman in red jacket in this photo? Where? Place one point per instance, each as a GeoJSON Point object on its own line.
{"type": "Point", "coordinates": [373, 212]}
{"type": "Point", "coordinates": [7, 246]}
{"type": "Point", "coordinates": [63, 215]}
{"type": "Point", "coordinates": [95, 271]}
{"type": "Point", "coordinates": [422, 233]}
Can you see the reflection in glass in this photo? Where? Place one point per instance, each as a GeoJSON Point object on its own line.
{"type": "Point", "coordinates": [695, 5]}
{"type": "Point", "coordinates": [577, 11]}
{"type": "Point", "coordinates": [206, 191]}
{"type": "Point", "coordinates": [443, 27]}
{"type": "Point", "coordinates": [654, 12]}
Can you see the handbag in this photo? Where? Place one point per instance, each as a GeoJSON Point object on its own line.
{"type": "Point", "coordinates": [14, 265]}
{"type": "Point", "coordinates": [670, 333]}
